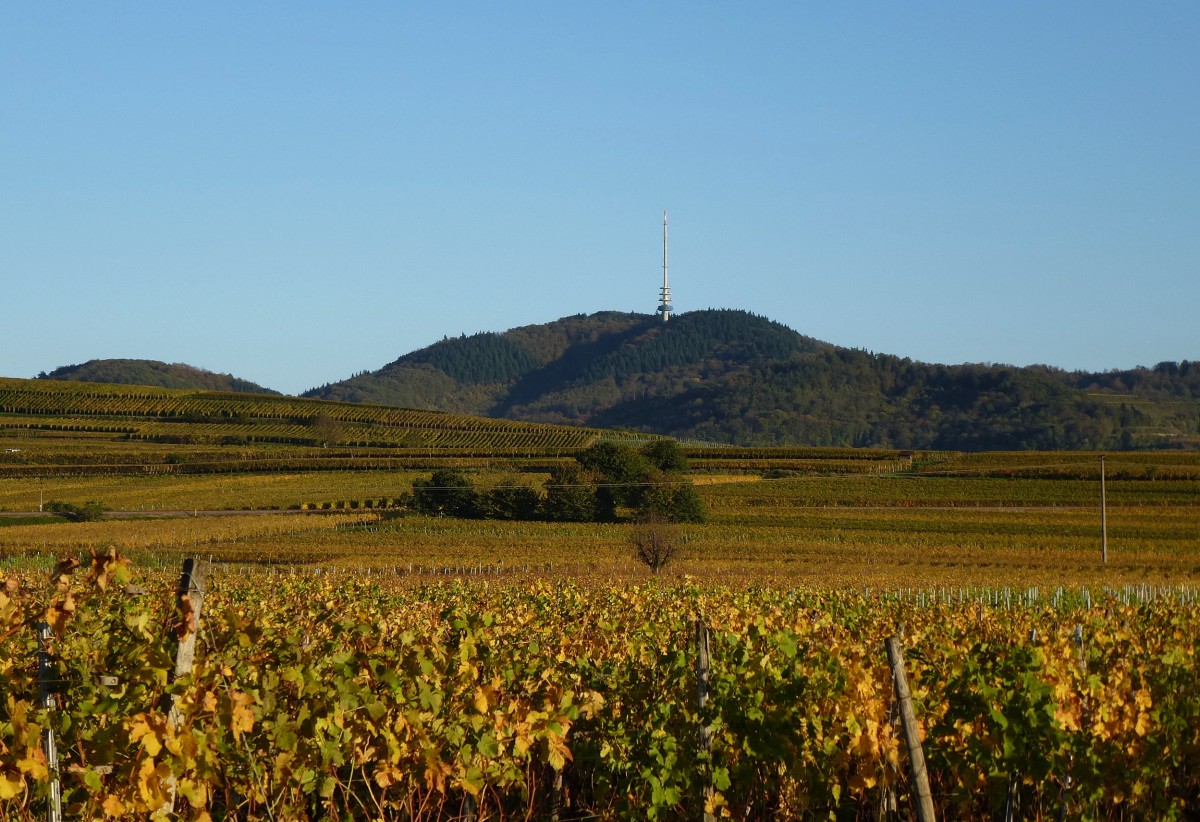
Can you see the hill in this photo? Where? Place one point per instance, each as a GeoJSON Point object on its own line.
{"type": "Point", "coordinates": [41, 408]}
{"type": "Point", "coordinates": [152, 372]}
{"type": "Point", "coordinates": [54, 427]}
{"type": "Point", "coordinates": [734, 377]}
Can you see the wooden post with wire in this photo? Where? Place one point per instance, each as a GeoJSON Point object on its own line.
{"type": "Point", "coordinates": [912, 736]}
{"type": "Point", "coordinates": [1103, 516]}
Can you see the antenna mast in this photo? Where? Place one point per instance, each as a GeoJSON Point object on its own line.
{"type": "Point", "coordinates": [664, 306]}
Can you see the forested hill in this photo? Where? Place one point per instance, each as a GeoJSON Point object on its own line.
{"type": "Point", "coordinates": [152, 372]}
{"type": "Point", "coordinates": [731, 376]}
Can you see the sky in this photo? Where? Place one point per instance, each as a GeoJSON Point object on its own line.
{"type": "Point", "coordinates": [296, 192]}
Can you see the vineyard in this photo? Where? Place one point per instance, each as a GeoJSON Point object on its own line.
{"type": "Point", "coordinates": [853, 529]}
{"type": "Point", "coordinates": [196, 417]}
{"type": "Point", "coordinates": [358, 660]}
{"type": "Point", "coordinates": [318, 696]}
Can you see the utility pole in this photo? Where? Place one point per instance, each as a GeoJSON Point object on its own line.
{"type": "Point", "coordinates": [1103, 516]}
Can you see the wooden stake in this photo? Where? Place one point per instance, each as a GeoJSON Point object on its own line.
{"type": "Point", "coordinates": [192, 583]}
{"type": "Point", "coordinates": [46, 680]}
{"type": "Point", "coordinates": [702, 672]}
{"type": "Point", "coordinates": [912, 737]}
{"type": "Point", "coordinates": [556, 797]}
{"type": "Point", "coordinates": [1103, 516]}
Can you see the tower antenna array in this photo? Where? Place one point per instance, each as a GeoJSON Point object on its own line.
{"type": "Point", "coordinates": [664, 306]}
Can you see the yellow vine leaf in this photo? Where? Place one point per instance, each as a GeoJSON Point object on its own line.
{"type": "Point", "coordinates": [11, 784]}
{"type": "Point", "coordinates": [186, 626]}
{"type": "Point", "coordinates": [34, 764]}
{"type": "Point", "coordinates": [151, 784]}
{"type": "Point", "coordinates": [113, 806]}
{"type": "Point", "coordinates": [59, 612]}
{"type": "Point", "coordinates": [241, 717]}
{"type": "Point", "coordinates": [148, 729]}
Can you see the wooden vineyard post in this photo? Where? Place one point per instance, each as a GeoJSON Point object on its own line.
{"type": "Point", "coordinates": [556, 797]}
{"type": "Point", "coordinates": [189, 602]}
{"type": "Point", "coordinates": [1103, 516]}
{"type": "Point", "coordinates": [46, 682]}
{"type": "Point", "coordinates": [1080, 653]}
{"type": "Point", "coordinates": [702, 672]}
{"type": "Point", "coordinates": [912, 737]}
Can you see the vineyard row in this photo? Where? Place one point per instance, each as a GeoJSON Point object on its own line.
{"type": "Point", "coordinates": [334, 696]}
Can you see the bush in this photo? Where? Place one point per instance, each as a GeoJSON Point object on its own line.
{"type": "Point", "coordinates": [447, 493]}
{"type": "Point", "coordinates": [509, 502]}
{"type": "Point", "coordinates": [90, 511]}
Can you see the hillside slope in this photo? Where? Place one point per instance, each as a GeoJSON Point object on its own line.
{"type": "Point", "coordinates": [731, 376]}
{"type": "Point", "coordinates": [152, 372]}
{"type": "Point", "coordinates": [40, 408]}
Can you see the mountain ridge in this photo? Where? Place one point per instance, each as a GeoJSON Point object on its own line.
{"type": "Point", "coordinates": [724, 375]}
{"type": "Point", "coordinates": [729, 376]}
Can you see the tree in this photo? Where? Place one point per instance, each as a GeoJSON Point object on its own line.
{"type": "Point", "coordinates": [448, 493]}
{"type": "Point", "coordinates": [326, 430]}
{"type": "Point", "coordinates": [654, 545]}
{"type": "Point", "coordinates": [671, 501]}
{"type": "Point", "coordinates": [637, 480]}
{"type": "Point", "coordinates": [622, 471]}
{"type": "Point", "coordinates": [509, 502]}
{"type": "Point", "coordinates": [616, 463]}
{"type": "Point", "coordinates": [666, 455]}
{"type": "Point", "coordinates": [571, 497]}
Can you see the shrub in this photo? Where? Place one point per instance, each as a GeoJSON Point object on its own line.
{"type": "Point", "coordinates": [88, 512]}
{"type": "Point", "coordinates": [509, 502]}
{"type": "Point", "coordinates": [447, 493]}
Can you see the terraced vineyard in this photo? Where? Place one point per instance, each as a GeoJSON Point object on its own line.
{"type": "Point", "coordinates": [168, 415]}
{"type": "Point", "coordinates": [366, 663]}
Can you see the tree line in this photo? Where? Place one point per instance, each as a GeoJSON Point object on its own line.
{"type": "Point", "coordinates": [607, 483]}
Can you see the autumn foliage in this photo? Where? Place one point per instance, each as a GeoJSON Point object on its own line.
{"type": "Point", "coordinates": [313, 697]}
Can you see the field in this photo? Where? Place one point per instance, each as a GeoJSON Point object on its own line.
{"type": "Point", "coordinates": [861, 531]}
{"type": "Point", "coordinates": [360, 661]}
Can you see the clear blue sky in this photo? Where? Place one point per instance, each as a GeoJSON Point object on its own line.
{"type": "Point", "coordinates": [293, 192]}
